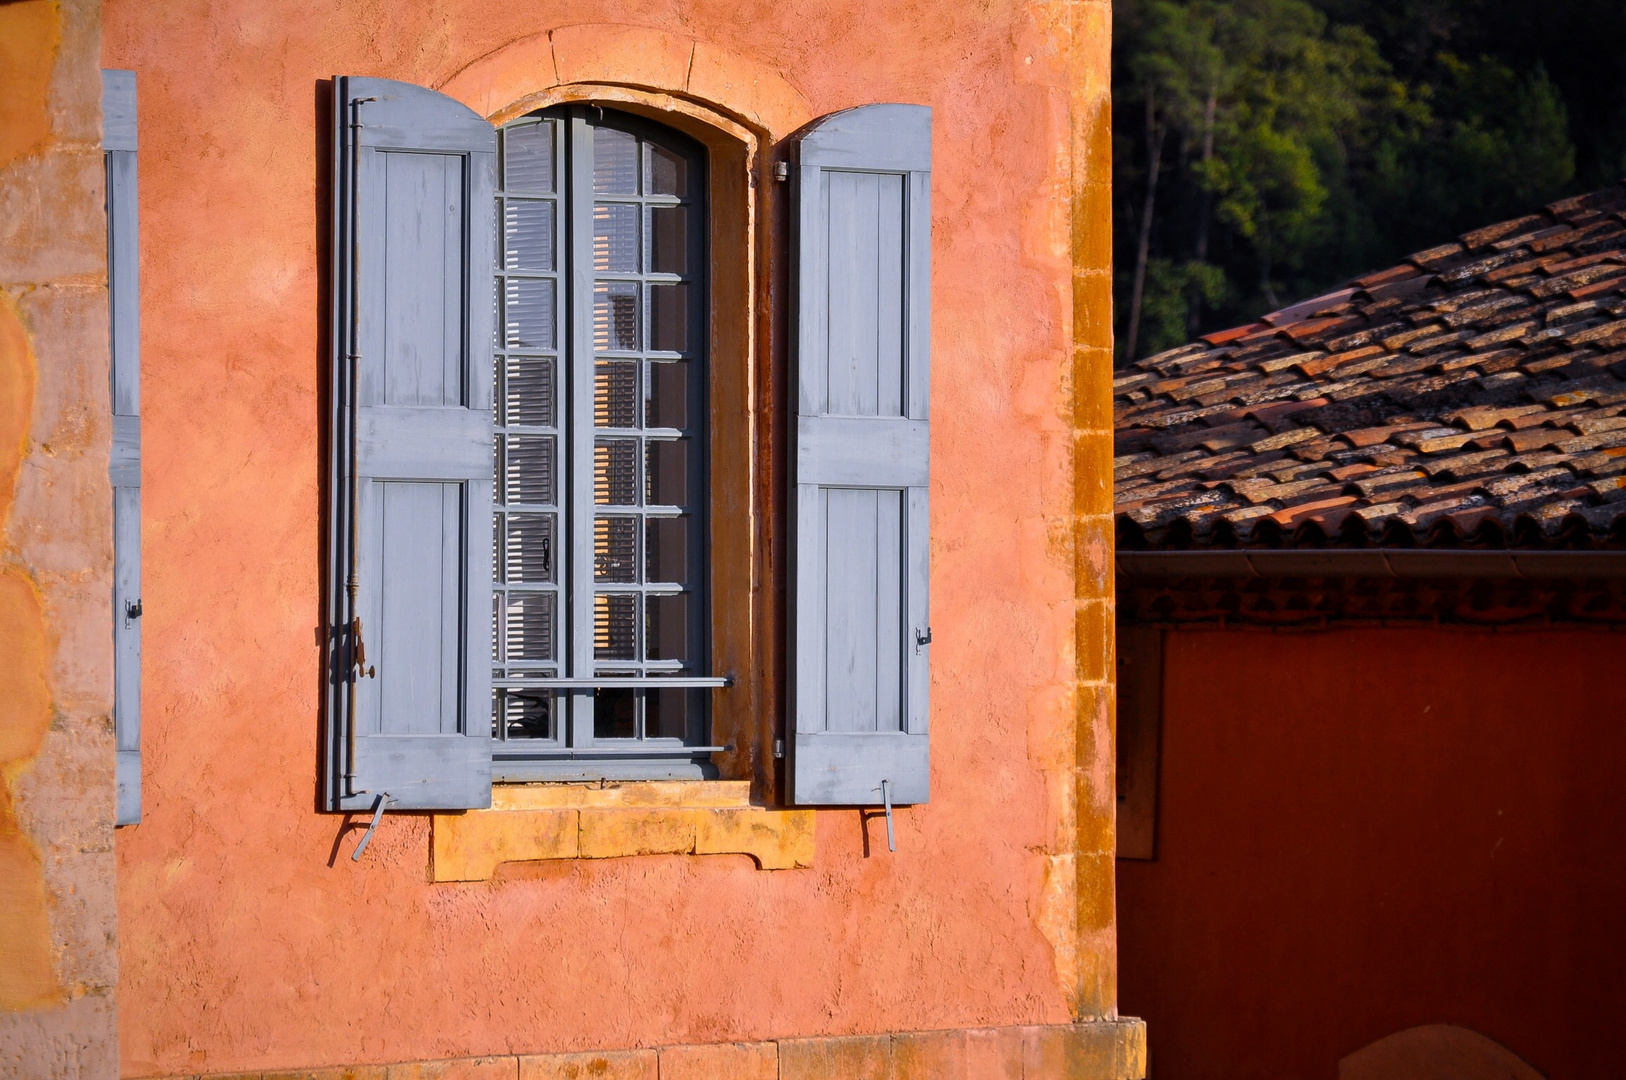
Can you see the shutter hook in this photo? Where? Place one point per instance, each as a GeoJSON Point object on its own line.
{"type": "Point", "coordinates": [886, 800]}
{"type": "Point", "coordinates": [378, 815]}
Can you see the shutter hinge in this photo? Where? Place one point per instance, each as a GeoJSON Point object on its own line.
{"type": "Point", "coordinates": [922, 640]}
{"type": "Point", "coordinates": [378, 815]}
{"type": "Point", "coordinates": [361, 651]}
{"type": "Point", "coordinates": [132, 609]}
{"type": "Point", "coordinates": [781, 171]}
{"type": "Point", "coordinates": [779, 748]}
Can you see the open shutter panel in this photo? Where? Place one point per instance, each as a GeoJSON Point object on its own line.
{"type": "Point", "coordinates": [124, 469]}
{"type": "Point", "coordinates": [860, 552]}
{"type": "Point", "coordinates": [410, 710]}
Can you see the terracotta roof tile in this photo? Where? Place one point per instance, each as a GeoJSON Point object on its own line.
{"type": "Point", "coordinates": [1471, 387]}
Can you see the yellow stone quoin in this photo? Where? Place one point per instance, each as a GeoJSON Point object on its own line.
{"type": "Point", "coordinates": [528, 822]}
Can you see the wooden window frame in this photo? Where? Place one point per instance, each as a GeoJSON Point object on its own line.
{"type": "Point", "coordinates": [745, 325]}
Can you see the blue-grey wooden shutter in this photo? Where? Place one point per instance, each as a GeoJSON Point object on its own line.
{"type": "Point", "coordinates": [410, 707]}
{"type": "Point", "coordinates": [859, 547]}
{"type": "Point", "coordinates": [124, 468]}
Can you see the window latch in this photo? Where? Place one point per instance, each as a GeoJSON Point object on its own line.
{"type": "Point", "coordinates": [922, 640]}
{"type": "Point", "coordinates": [378, 815]}
{"type": "Point", "coordinates": [361, 651]}
{"type": "Point", "coordinates": [886, 800]}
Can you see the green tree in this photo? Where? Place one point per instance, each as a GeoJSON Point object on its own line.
{"type": "Point", "coordinates": [1269, 149]}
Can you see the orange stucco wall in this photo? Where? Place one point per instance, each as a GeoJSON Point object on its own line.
{"type": "Point", "coordinates": [244, 942]}
{"type": "Point", "coordinates": [1367, 830]}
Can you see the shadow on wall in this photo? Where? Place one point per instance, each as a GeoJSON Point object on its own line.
{"type": "Point", "coordinates": [1435, 1052]}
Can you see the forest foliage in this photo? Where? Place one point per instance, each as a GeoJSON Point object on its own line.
{"type": "Point", "coordinates": [1267, 150]}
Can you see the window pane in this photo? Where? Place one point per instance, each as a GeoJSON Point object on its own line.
{"type": "Point", "coordinates": [668, 173]}
{"type": "Point", "coordinates": [528, 314]}
{"type": "Point", "coordinates": [669, 317]}
{"type": "Point", "coordinates": [615, 237]}
{"type": "Point", "coordinates": [523, 713]}
{"type": "Point", "coordinates": [614, 549]}
{"type": "Point", "coordinates": [527, 235]}
{"type": "Point", "coordinates": [669, 239]}
{"type": "Point", "coordinates": [666, 550]}
{"type": "Point", "coordinates": [667, 403]}
{"type": "Point", "coordinates": [666, 636]}
{"type": "Point", "coordinates": [528, 157]}
{"type": "Point", "coordinates": [528, 468]}
{"type": "Point", "coordinates": [668, 472]}
{"type": "Point", "coordinates": [615, 162]}
{"type": "Point", "coordinates": [666, 714]}
{"type": "Point", "coordinates": [528, 627]}
{"type": "Point", "coordinates": [615, 316]}
{"type": "Point", "coordinates": [528, 390]}
{"type": "Point", "coordinates": [615, 395]}
{"type": "Point", "coordinates": [529, 547]}
{"type": "Point", "coordinates": [614, 714]}
{"type": "Point", "coordinates": [615, 626]}
{"type": "Point", "coordinates": [615, 469]}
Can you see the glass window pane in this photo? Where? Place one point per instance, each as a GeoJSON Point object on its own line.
{"type": "Point", "coordinates": [666, 714]}
{"type": "Point", "coordinates": [528, 314]}
{"type": "Point", "coordinates": [528, 627]}
{"type": "Point", "coordinates": [615, 472]}
{"type": "Point", "coordinates": [666, 637]}
{"type": "Point", "coordinates": [668, 472]}
{"type": "Point", "coordinates": [527, 468]}
{"type": "Point", "coordinates": [666, 550]}
{"type": "Point", "coordinates": [615, 237]}
{"type": "Point", "coordinates": [667, 401]}
{"type": "Point", "coordinates": [669, 239]}
{"type": "Point", "coordinates": [615, 626]}
{"type": "Point", "coordinates": [529, 541]}
{"type": "Point", "coordinates": [527, 235]}
{"type": "Point", "coordinates": [615, 714]}
{"type": "Point", "coordinates": [523, 713]}
{"type": "Point", "coordinates": [669, 317]}
{"type": "Point", "coordinates": [668, 173]}
{"type": "Point", "coordinates": [528, 157]}
{"type": "Point", "coordinates": [528, 390]}
{"type": "Point", "coordinates": [615, 543]}
{"type": "Point", "coordinates": [615, 316]}
{"type": "Point", "coordinates": [615, 162]}
{"type": "Point", "coordinates": [615, 394]}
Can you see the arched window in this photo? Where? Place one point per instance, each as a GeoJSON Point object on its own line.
{"type": "Point", "coordinates": [601, 479]}
{"type": "Point", "coordinates": [522, 381]}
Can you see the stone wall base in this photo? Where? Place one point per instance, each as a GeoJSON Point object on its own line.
{"type": "Point", "coordinates": [1091, 1050]}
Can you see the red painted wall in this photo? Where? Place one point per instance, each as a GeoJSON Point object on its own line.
{"type": "Point", "coordinates": [1364, 830]}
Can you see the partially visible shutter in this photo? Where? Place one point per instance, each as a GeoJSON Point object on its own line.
{"type": "Point", "coordinates": [124, 468]}
{"type": "Point", "coordinates": [859, 545]}
{"type": "Point", "coordinates": [410, 707]}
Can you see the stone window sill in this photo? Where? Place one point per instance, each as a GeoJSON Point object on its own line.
{"type": "Point", "coordinates": [529, 822]}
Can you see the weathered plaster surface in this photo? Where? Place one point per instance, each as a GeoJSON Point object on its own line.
{"type": "Point", "coordinates": [246, 943]}
{"type": "Point", "coordinates": [57, 913]}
